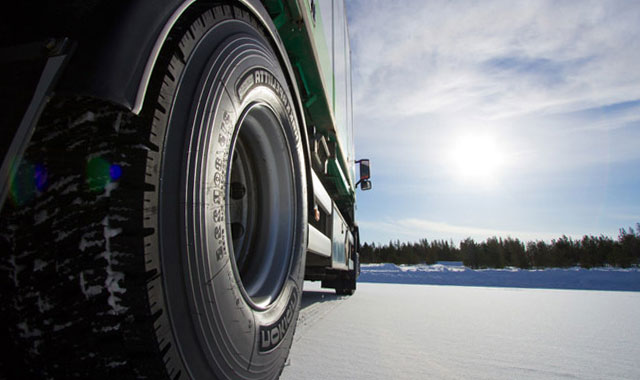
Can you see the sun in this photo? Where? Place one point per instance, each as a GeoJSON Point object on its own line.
{"type": "Point", "coordinates": [476, 159]}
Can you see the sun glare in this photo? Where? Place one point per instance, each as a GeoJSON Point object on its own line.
{"type": "Point", "coordinates": [477, 159]}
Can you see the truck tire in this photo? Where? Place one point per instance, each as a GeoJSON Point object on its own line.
{"type": "Point", "coordinates": [346, 284]}
{"type": "Point", "coordinates": [168, 245]}
{"type": "Point", "coordinates": [345, 291]}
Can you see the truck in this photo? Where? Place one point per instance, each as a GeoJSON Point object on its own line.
{"type": "Point", "coordinates": [172, 171]}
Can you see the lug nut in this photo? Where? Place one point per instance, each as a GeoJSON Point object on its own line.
{"type": "Point", "coordinates": [237, 190]}
{"type": "Point", "coordinates": [237, 230]}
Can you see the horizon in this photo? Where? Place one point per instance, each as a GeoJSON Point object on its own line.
{"type": "Point", "coordinates": [456, 242]}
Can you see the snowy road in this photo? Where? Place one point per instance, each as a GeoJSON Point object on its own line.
{"type": "Point", "coordinates": [395, 331]}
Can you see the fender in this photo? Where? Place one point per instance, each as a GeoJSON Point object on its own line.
{"type": "Point", "coordinates": [115, 63]}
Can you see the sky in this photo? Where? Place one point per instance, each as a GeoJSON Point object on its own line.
{"type": "Point", "coordinates": [496, 118]}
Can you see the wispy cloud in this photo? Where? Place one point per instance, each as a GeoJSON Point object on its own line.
{"type": "Point", "coordinates": [497, 58]}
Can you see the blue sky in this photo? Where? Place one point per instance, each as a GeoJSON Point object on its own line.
{"type": "Point", "coordinates": [497, 118]}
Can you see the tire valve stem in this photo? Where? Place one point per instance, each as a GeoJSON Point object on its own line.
{"type": "Point", "coordinates": [237, 190]}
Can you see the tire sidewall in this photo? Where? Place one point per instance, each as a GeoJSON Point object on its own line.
{"type": "Point", "coordinates": [213, 324]}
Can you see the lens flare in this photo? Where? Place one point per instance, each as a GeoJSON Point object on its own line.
{"type": "Point", "coordinates": [25, 180]}
{"type": "Point", "coordinates": [101, 172]}
{"type": "Point", "coordinates": [115, 171]}
{"type": "Point", "coordinates": [98, 174]}
{"type": "Point", "coordinates": [40, 177]}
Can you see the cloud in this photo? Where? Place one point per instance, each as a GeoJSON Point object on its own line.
{"type": "Point", "coordinates": [497, 59]}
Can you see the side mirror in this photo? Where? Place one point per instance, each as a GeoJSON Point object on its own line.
{"type": "Point", "coordinates": [365, 174]}
{"type": "Point", "coordinates": [365, 169]}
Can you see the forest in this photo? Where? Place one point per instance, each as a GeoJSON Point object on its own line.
{"type": "Point", "coordinates": [564, 252]}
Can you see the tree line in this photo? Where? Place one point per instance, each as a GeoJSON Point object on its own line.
{"type": "Point", "coordinates": [588, 252]}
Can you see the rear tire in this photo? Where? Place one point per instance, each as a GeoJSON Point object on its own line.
{"type": "Point", "coordinates": [345, 284]}
{"type": "Point", "coordinates": [169, 245]}
{"type": "Point", "coordinates": [345, 291]}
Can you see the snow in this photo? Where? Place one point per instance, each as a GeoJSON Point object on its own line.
{"type": "Point", "coordinates": [110, 328]}
{"type": "Point", "coordinates": [453, 273]}
{"type": "Point", "coordinates": [68, 181]}
{"type": "Point", "coordinates": [108, 188]}
{"type": "Point", "coordinates": [88, 291]}
{"type": "Point", "coordinates": [113, 277]}
{"type": "Point", "coordinates": [111, 283]}
{"type": "Point", "coordinates": [40, 217]}
{"type": "Point", "coordinates": [27, 332]}
{"type": "Point", "coordinates": [116, 364]}
{"type": "Point", "coordinates": [32, 336]}
{"type": "Point", "coordinates": [39, 265]}
{"type": "Point", "coordinates": [61, 235]}
{"type": "Point", "coordinates": [87, 116]}
{"type": "Point", "coordinates": [73, 188]}
{"type": "Point", "coordinates": [116, 124]}
{"type": "Point", "coordinates": [86, 241]}
{"type": "Point", "coordinates": [404, 331]}
{"type": "Point", "coordinates": [63, 326]}
{"type": "Point", "coordinates": [43, 304]}
{"type": "Point", "coordinates": [16, 270]}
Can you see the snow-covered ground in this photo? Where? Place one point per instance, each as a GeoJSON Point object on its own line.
{"type": "Point", "coordinates": [407, 331]}
{"type": "Point", "coordinates": [454, 273]}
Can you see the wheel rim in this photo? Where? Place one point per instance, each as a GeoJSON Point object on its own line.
{"type": "Point", "coordinates": [261, 205]}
